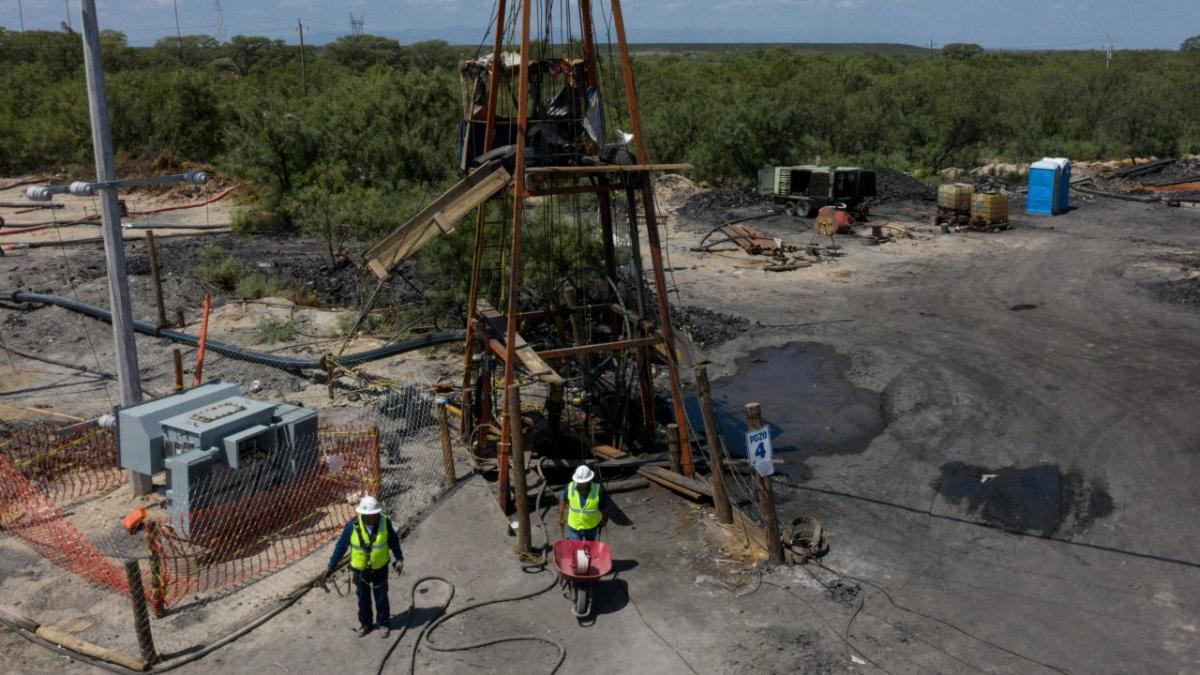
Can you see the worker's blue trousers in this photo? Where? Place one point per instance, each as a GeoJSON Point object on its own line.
{"type": "Point", "coordinates": [372, 583]}
{"type": "Point", "coordinates": [583, 535]}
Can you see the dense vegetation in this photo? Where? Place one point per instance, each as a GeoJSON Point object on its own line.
{"type": "Point", "coordinates": [371, 131]}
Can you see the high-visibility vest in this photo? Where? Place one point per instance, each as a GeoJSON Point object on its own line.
{"type": "Point", "coordinates": [585, 516]}
{"type": "Point", "coordinates": [373, 553]}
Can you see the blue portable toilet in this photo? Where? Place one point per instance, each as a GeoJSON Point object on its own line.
{"type": "Point", "coordinates": [1049, 186]}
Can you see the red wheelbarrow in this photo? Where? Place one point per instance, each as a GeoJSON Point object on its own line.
{"type": "Point", "coordinates": [580, 564]}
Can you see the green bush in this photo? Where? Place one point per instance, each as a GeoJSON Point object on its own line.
{"type": "Point", "coordinates": [257, 285]}
{"type": "Point", "coordinates": [271, 331]}
{"type": "Point", "coordinates": [219, 269]}
{"type": "Point", "coordinates": [345, 323]}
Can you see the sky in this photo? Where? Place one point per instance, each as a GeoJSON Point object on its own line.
{"type": "Point", "coordinates": [998, 24]}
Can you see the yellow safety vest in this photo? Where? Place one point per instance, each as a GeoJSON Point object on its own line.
{"type": "Point", "coordinates": [374, 552]}
{"type": "Point", "coordinates": [585, 516]}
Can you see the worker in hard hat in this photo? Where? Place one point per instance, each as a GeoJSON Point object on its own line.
{"type": "Point", "coordinates": [370, 538]}
{"type": "Point", "coordinates": [587, 503]}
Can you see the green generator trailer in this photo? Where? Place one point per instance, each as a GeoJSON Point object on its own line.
{"type": "Point", "coordinates": [805, 189]}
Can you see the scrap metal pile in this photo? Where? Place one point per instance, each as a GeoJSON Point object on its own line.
{"type": "Point", "coordinates": [1175, 182]}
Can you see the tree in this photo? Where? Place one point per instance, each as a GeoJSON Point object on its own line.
{"type": "Point", "coordinates": [432, 54]}
{"type": "Point", "coordinates": [192, 51]}
{"type": "Point", "coordinates": [960, 51]}
{"type": "Point", "coordinates": [1190, 45]}
{"type": "Point", "coordinates": [361, 52]}
{"type": "Point", "coordinates": [244, 52]}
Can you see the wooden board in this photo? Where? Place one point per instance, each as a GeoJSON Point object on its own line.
{"type": "Point", "coordinates": [675, 481]}
{"type": "Point", "coordinates": [437, 218]}
{"type": "Point", "coordinates": [608, 452]}
{"type": "Point", "coordinates": [673, 487]}
{"type": "Point", "coordinates": [88, 649]}
{"type": "Point", "coordinates": [497, 326]}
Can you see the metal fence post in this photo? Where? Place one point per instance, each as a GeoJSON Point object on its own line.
{"type": "Point", "coordinates": [141, 617]}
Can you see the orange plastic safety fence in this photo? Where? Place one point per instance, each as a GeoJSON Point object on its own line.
{"type": "Point", "coordinates": [30, 514]}
{"type": "Point", "coordinates": [64, 467]}
{"type": "Point", "coordinates": [241, 540]}
{"type": "Point", "coordinates": [230, 543]}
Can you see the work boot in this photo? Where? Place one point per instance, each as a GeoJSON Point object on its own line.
{"type": "Point", "coordinates": [362, 630]}
{"type": "Point", "coordinates": [384, 632]}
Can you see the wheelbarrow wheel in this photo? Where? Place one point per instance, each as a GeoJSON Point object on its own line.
{"type": "Point", "coordinates": [583, 599]}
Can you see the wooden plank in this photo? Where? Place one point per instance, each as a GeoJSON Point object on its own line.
{"type": "Point", "coordinates": [673, 487]}
{"type": "Point", "coordinates": [608, 451]}
{"type": "Point", "coordinates": [437, 218]}
{"type": "Point", "coordinates": [495, 325]}
{"type": "Point", "coordinates": [659, 474]}
{"type": "Point", "coordinates": [74, 644]}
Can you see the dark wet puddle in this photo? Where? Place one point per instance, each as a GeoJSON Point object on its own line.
{"type": "Point", "coordinates": [806, 399]}
{"type": "Point", "coordinates": [1039, 500]}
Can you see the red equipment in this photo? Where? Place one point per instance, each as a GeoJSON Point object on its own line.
{"type": "Point", "coordinates": [580, 563]}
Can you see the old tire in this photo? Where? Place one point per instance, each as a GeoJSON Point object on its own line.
{"type": "Point", "coordinates": [583, 595]}
{"type": "Point", "coordinates": [804, 209]}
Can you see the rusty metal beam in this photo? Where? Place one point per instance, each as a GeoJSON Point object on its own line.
{"type": "Point", "coordinates": [607, 168]}
{"type": "Point", "coordinates": [481, 213]}
{"type": "Point", "coordinates": [660, 281]}
{"type": "Point", "coordinates": [564, 352]}
{"type": "Point", "coordinates": [570, 190]}
{"type": "Point", "coordinates": [514, 258]}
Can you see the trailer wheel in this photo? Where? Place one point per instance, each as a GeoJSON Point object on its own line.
{"type": "Point", "coordinates": [804, 209]}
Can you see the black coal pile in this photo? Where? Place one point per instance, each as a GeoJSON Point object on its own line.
{"type": "Point", "coordinates": [708, 328]}
{"type": "Point", "coordinates": [713, 206]}
{"type": "Point", "coordinates": [292, 262]}
{"type": "Point", "coordinates": [897, 186]}
{"type": "Point", "coordinates": [1179, 291]}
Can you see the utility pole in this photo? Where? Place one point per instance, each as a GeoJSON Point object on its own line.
{"type": "Point", "coordinates": [110, 215]}
{"type": "Point", "coordinates": [303, 72]}
{"type": "Point", "coordinates": [1108, 51]}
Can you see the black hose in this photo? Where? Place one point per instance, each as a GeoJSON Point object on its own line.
{"type": "Point", "coordinates": [427, 632]}
{"type": "Point", "coordinates": [235, 352]}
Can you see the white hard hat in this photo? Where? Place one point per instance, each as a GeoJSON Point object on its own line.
{"type": "Point", "coordinates": [583, 474]}
{"type": "Point", "coordinates": [369, 506]}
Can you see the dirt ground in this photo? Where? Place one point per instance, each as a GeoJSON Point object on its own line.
{"type": "Point", "coordinates": [996, 429]}
{"type": "Point", "coordinates": [1028, 496]}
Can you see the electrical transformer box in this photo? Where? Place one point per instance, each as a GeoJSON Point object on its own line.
{"type": "Point", "coordinates": [216, 447]}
